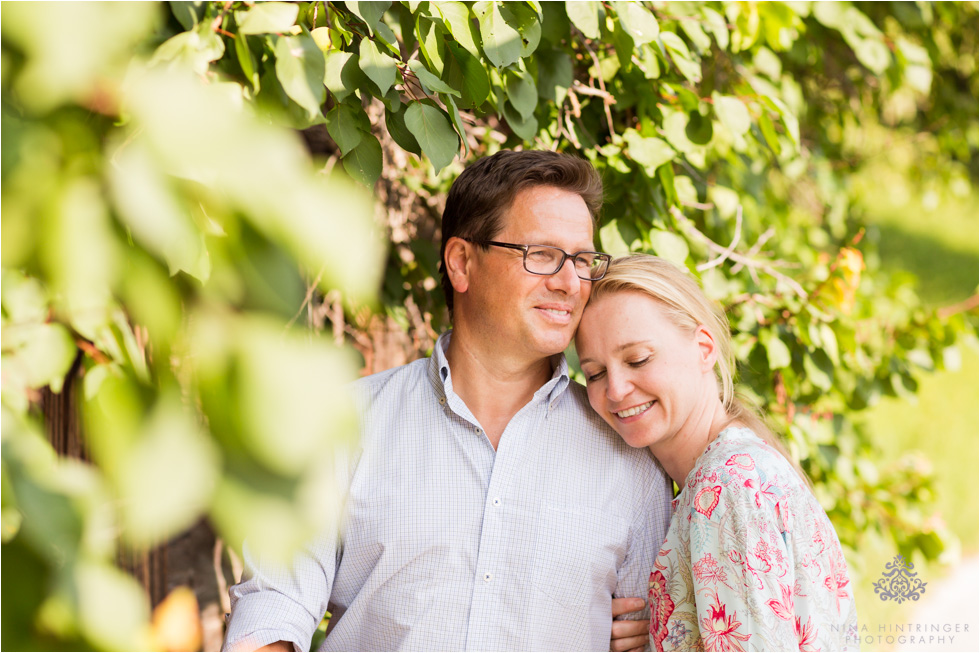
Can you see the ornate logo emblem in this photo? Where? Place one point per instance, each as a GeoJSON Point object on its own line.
{"type": "Point", "coordinates": [899, 582]}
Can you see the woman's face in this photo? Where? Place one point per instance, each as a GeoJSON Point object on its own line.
{"type": "Point", "coordinates": [648, 378]}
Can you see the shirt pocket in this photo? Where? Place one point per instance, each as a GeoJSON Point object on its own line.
{"type": "Point", "coordinates": [579, 551]}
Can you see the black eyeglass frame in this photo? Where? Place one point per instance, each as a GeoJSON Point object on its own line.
{"type": "Point", "coordinates": [565, 256]}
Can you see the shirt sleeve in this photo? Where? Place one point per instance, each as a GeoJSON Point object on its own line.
{"type": "Point", "coordinates": [741, 569]}
{"type": "Point", "coordinates": [276, 602]}
{"type": "Point", "coordinates": [286, 602]}
{"type": "Point", "coordinates": [647, 533]}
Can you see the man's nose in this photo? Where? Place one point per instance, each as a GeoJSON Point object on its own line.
{"type": "Point", "coordinates": [566, 279]}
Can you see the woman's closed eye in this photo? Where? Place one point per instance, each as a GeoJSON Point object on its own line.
{"type": "Point", "coordinates": [594, 376]}
{"type": "Point", "coordinates": [639, 363]}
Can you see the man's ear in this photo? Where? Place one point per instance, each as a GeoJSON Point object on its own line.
{"type": "Point", "coordinates": [707, 348]}
{"type": "Point", "coordinates": [458, 258]}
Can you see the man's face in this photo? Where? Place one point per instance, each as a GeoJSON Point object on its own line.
{"type": "Point", "coordinates": [530, 315]}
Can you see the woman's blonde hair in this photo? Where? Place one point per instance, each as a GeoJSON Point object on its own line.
{"type": "Point", "coordinates": [687, 306]}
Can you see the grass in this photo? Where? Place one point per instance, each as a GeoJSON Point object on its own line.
{"type": "Point", "coordinates": [936, 239]}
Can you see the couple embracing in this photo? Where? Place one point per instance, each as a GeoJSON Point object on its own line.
{"type": "Point", "coordinates": [496, 504]}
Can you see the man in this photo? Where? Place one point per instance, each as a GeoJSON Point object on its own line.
{"type": "Point", "coordinates": [489, 507]}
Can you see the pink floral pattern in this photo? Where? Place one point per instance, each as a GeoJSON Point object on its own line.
{"type": "Point", "coordinates": [751, 561]}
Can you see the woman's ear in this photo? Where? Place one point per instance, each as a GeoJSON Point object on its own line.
{"type": "Point", "coordinates": [458, 256]}
{"type": "Point", "coordinates": [706, 347]}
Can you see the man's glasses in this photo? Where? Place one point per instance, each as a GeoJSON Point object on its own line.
{"type": "Point", "coordinates": [546, 260]}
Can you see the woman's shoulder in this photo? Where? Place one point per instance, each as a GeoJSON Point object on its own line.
{"type": "Point", "coordinates": [739, 462]}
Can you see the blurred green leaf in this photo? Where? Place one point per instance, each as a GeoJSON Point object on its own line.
{"type": "Point", "coordinates": [732, 113]}
{"type": "Point", "coordinates": [269, 18]}
{"type": "Point", "coordinates": [669, 245]}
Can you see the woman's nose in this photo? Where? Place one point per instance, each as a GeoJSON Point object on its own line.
{"type": "Point", "coordinates": [618, 386]}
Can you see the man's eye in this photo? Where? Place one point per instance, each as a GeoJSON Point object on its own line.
{"type": "Point", "coordinates": [594, 377]}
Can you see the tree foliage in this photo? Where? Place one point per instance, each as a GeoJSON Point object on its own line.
{"type": "Point", "coordinates": [164, 230]}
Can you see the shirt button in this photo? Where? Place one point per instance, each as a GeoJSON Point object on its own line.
{"type": "Point", "coordinates": [487, 577]}
{"type": "Point", "coordinates": [478, 430]}
{"type": "Point", "coordinates": [442, 400]}
{"type": "Point", "coordinates": [497, 501]}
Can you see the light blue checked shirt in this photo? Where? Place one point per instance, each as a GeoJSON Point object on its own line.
{"type": "Point", "coordinates": [449, 545]}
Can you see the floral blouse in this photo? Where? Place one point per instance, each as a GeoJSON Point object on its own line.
{"type": "Point", "coordinates": [751, 561]}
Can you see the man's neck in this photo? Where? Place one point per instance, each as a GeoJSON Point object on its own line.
{"type": "Point", "coordinates": [492, 385]}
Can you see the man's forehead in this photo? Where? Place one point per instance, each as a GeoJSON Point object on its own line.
{"type": "Point", "coordinates": [546, 215]}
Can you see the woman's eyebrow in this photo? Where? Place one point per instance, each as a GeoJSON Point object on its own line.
{"type": "Point", "coordinates": [625, 345]}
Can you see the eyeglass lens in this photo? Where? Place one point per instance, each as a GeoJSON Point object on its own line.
{"type": "Point", "coordinates": [541, 259]}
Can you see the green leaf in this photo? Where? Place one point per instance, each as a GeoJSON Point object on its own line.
{"type": "Point", "coordinates": [322, 38]}
{"type": "Point", "coordinates": [458, 123]}
{"type": "Point", "coordinates": [47, 355]}
{"type": "Point", "coordinates": [697, 35]}
{"type": "Point", "coordinates": [651, 153]}
{"type": "Point", "coordinates": [188, 13]}
{"type": "Point", "coordinates": [527, 23]}
{"type": "Point", "coordinates": [776, 350]}
{"type": "Point", "coordinates": [269, 18]}
{"type": "Point", "coordinates": [395, 123]}
{"type": "Point", "coordinates": [769, 133]}
{"type": "Point", "coordinates": [195, 49]}
{"type": "Point", "coordinates": [732, 113]}
{"type": "Point", "coordinates": [669, 245]}
{"type": "Point", "coordinates": [681, 56]}
{"type": "Point", "coordinates": [638, 21]}
{"type": "Point", "coordinates": [521, 92]}
{"type": "Point", "coordinates": [341, 73]}
{"type": "Point", "coordinates": [345, 128]}
{"type": "Point", "coordinates": [611, 239]}
{"type": "Point", "coordinates": [246, 59]}
{"type": "Point", "coordinates": [699, 128]}
{"type": "Point", "coordinates": [430, 83]}
{"type": "Point", "coordinates": [718, 26]}
{"type": "Point", "coordinates": [364, 162]}
{"type": "Point", "coordinates": [369, 12]}
{"type": "Point", "coordinates": [156, 507]}
{"type": "Point", "coordinates": [378, 66]}
{"type": "Point", "coordinates": [458, 19]}
{"type": "Point", "coordinates": [501, 43]}
{"type": "Point", "coordinates": [675, 130]}
{"type": "Point", "coordinates": [819, 370]}
{"type": "Point", "coordinates": [555, 76]}
{"type": "Point", "coordinates": [526, 128]}
{"type": "Point", "coordinates": [828, 339]}
{"type": "Point", "coordinates": [300, 69]}
{"type": "Point", "coordinates": [465, 72]}
{"type": "Point", "coordinates": [431, 42]}
{"type": "Point", "coordinates": [585, 16]}
{"type": "Point", "coordinates": [433, 132]}
{"type": "Point", "coordinates": [154, 216]}
{"type": "Point", "coordinates": [24, 299]}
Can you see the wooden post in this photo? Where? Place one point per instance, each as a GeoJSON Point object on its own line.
{"type": "Point", "coordinates": [62, 421]}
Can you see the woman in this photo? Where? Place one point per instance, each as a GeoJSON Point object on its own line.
{"type": "Point", "coordinates": [751, 561]}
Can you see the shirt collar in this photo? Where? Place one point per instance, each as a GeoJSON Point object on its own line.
{"type": "Point", "coordinates": [441, 379]}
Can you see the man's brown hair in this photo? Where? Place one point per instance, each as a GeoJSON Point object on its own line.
{"type": "Point", "coordinates": [486, 189]}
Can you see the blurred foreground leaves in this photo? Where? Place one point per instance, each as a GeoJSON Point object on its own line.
{"type": "Point", "coordinates": [163, 227]}
{"type": "Point", "coordinates": [158, 234]}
